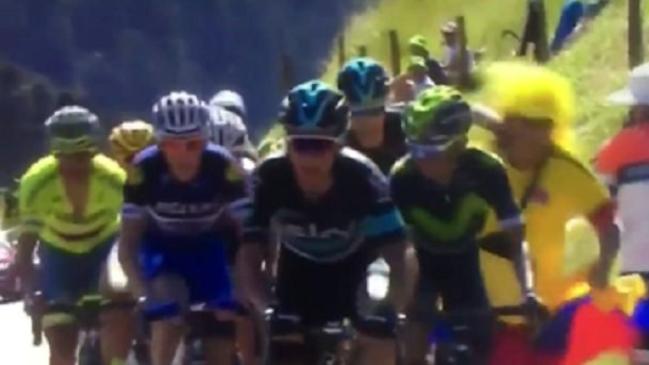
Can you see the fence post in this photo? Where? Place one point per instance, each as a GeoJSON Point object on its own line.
{"type": "Point", "coordinates": [636, 51]}
{"type": "Point", "coordinates": [341, 50]}
{"type": "Point", "coordinates": [395, 52]}
{"type": "Point", "coordinates": [541, 48]}
{"type": "Point", "coordinates": [463, 76]}
{"type": "Point", "coordinates": [362, 51]}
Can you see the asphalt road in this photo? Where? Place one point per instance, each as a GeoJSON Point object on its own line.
{"type": "Point", "coordinates": [16, 337]}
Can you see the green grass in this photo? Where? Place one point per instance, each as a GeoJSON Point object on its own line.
{"type": "Point", "coordinates": [597, 65]}
{"type": "Point", "coordinates": [485, 21]}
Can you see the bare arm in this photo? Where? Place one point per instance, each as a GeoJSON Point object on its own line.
{"type": "Point", "coordinates": [520, 256]}
{"type": "Point", "coordinates": [131, 234]}
{"type": "Point", "coordinates": [252, 281]}
{"type": "Point", "coordinates": [403, 272]}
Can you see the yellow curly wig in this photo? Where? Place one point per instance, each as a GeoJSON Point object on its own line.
{"type": "Point", "coordinates": [522, 89]}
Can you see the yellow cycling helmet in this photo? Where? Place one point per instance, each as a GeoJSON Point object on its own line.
{"type": "Point", "coordinates": [128, 138]}
{"type": "Point", "coordinates": [534, 92]}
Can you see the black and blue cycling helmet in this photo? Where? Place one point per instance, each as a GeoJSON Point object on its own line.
{"type": "Point", "coordinates": [364, 83]}
{"type": "Point", "coordinates": [314, 109]}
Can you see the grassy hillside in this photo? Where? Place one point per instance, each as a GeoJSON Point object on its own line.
{"type": "Point", "coordinates": [597, 64]}
{"type": "Point", "coordinates": [485, 22]}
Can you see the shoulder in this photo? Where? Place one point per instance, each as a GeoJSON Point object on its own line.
{"type": "Point", "coordinates": [402, 168]}
{"type": "Point", "coordinates": [147, 156]}
{"type": "Point", "coordinates": [274, 167]}
{"type": "Point", "coordinates": [481, 159]}
{"type": "Point", "coordinates": [38, 176]}
{"type": "Point", "coordinates": [108, 170]}
{"type": "Point", "coordinates": [357, 170]}
{"type": "Point", "coordinates": [566, 164]}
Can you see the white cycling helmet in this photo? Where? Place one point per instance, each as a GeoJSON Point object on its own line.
{"type": "Point", "coordinates": [227, 130]}
{"type": "Point", "coordinates": [230, 100]}
{"type": "Point", "coordinates": [181, 114]}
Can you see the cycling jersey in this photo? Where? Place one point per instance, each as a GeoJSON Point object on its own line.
{"type": "Point", "coordinates": [392, 148]}
{"type": "Point", "coordinates": [182, 209]}
{"type": "Point", "coordinates": [325, 245]}
{"type": "Point", "coordinates": [566, 189]}
{"type": "Point", "coordinates": [624, 163]}
{"type": "Point", "coordinates": [181, 239]}
{"type": "Point", "coordinates": [449, 218]}
{"type": "Point", "coordinates": [46, 210]}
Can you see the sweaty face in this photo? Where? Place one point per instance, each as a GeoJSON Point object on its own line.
{"type": "Point", "coordinates": [524, 142]}
{"type": "Point", "coordinates": [183, 156]}
{"type": "Point", "coordinates": [312, 160]}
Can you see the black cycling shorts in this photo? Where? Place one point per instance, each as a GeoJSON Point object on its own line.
{"type": "Point", "coordinates": [320, 292]}
{"type": "Point", "coordinates": [453, 278]}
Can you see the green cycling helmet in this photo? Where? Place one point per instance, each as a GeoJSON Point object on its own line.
{"type": "Point", "coordinates": [435, 120]}
{"type": "Point", "coordinates": [73, 129]}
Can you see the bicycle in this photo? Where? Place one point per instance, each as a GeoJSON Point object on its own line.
{"type": "Point", "coordinates": [451, 344]}
{"type": "Point", "coordinates": [86, 311]}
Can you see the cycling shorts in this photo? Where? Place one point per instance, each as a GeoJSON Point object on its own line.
{"type": "Point", "coordinates": [66, 277]}
{"type": "Point", "coordinates": [455, 278]}
{"type": "Point", "coordinates": [184, 271]}
{"type": "Point", "coordinates": [320, 292]}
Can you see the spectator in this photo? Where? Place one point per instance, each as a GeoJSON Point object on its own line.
{"type": "Point", "coordinates": [451, 61]}
{"type": "Point", "coordinates": [417, 73]}
{"type": "Point", "coordinates": [418, 46]}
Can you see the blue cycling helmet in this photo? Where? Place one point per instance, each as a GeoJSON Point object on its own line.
{"type": "Point", "coordinates": [314, 109]}
{"type": "Point", "coordinates": [364, 83]}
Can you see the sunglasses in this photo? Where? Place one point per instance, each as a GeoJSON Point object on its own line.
{"type": "Point", "coordinates": [182, 145]}
{"type": "Point", "coordinates": [304, 145]}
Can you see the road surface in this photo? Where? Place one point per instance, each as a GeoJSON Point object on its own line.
{"type": "Point", "coordinates": [16, 338]}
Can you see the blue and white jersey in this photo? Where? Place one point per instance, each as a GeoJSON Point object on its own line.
{"type": "Point", "coordinates": [180, 208]}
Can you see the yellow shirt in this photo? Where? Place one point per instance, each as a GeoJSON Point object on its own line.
{"type": "Point", "coordinates": [45, 209]}
{"type": "Point", "coordinates": [566, 190]}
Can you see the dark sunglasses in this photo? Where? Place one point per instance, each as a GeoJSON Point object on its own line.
{"type": "Point", "coordinates": [311, 145]}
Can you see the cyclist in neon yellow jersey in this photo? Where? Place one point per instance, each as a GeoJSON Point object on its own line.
{"type": "Point", "coordinates": [69, 203]}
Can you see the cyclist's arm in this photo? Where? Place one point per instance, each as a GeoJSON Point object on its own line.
{"type": "Point", "coordinates": [133, 225]}
{"type": "Point", "coordinates": [400, 257]}
{"type": "Point", "coordinates": [497, 192]}
{"type": "Point", "coordinates": [31, 223]}
{"type": "Point", "coordinates": [251, 255]}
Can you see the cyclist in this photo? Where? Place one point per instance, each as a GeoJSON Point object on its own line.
{"type": "Point", "coordinates": [418, 46]}
{"type": "Point", "coordinates": [418, 76]}
{"type": "Point", "coordinates": [374, 130]}
{"type": "Point", "coordinates": [228, 130]}
{"type": "Point", "coordinates": [127, 139]}
{"type": "Point", "coordinates": [331, 210]}
{"type": "Point", "coordinates": [69, 204]}
{"type": "Point", "coordinates": [550, 184]}
{"type": "Point", "coordinates": [174, 202]}
{"type": "Point", "coordinates": [444, 191]}
{"type": "Point", "coordinates": [231, 101]}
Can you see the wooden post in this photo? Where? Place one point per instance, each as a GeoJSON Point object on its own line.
{"type": "Point", "coordinates": [362, 51]}
{"type": "Point", "coordinates": [341, 50]}
{"type": "Point", "coordinates": [636, 51]}
{"type": "Point", "coordinates": [541, 48]}
{"type": "Point", "coordinates": [463, 75]}
{"type": "Point", "coordinates": [395, 52]}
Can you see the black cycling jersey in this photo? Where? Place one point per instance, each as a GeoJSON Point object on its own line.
{"type": "Point", "coordinates": [325, 245]}
{"type": "Point", "coordinates": [449, 218]}
{"type": "Point", "coordinates": [393, 147]}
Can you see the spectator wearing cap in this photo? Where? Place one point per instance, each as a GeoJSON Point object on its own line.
{"type": "Point", "coordinates": [418, 46]}
{"type": "Point", "coordinates": [418, 74]}
{"type": "Point", "coordinates": [623, 162]}
{"type": "Point", "coordinates": [451, 60]}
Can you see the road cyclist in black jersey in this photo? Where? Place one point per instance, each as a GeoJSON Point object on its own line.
{"type": "Point", "coordinates": [444, 191]}
{"type": "Point", "coordinates": [375, 128]}
{"type": "Point", "coordinates": [320, 214]}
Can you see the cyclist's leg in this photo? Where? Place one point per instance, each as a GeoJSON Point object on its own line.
{"type": "Point", "coordinates": [464, 290]}
{"type": "Point", "coordinates": [166, 298]}
{"type": "Point", "coordinates": [59, 282]}
{"type": "Point", "coordinates": [421, 310]}
{"type": "Point", "coordinates": [205, 271]}
{"type": "Point", "coordinates": [246, 333]}
{"type": "Point", "coordinates": [118, 320]}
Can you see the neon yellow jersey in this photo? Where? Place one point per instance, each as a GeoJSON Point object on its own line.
{"type": "Point", "coordinates": [46, 211]}
{"type": "Point", "coordinates": [567, 190]}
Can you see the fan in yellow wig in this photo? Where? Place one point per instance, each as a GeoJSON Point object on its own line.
{"type": "Point", "coordinates": [535, 109]}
